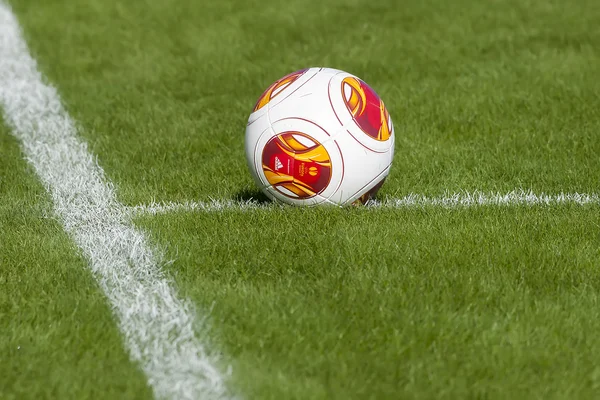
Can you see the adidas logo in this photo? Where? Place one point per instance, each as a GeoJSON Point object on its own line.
{"type": "Point", "coordinates": [278, 164]}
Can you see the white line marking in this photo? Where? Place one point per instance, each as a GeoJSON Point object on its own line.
{"type": "Point", "coordinates": [155, 208]}
{"type": "Point", "coordinates": [474, 199]}
{"type": "Point", "coordinates": [448, 200]}
{"type": "Point", "coordinates": [158, 327]}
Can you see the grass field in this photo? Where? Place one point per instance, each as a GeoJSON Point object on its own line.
{"type": "Point", "coordinates": [363, 303]}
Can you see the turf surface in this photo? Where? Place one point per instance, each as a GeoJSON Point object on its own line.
{"type": "Point", "coordinates": [397, 304]}
{"type": "Point", "coordinates": [481, 303]}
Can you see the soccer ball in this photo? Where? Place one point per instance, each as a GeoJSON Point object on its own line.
{"type": "Point", "coordinates": [319, 136]}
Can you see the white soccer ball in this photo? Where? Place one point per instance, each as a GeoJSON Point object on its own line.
{"type": "Point", "coordinates": [320, 136]}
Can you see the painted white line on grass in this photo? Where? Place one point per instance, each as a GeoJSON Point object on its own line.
{"type": "Point", "coordinates": [448, 200]}
{"type": "Point", "coordinates": [477, 198]}
{"type": "Point", "coordinates": [156, 324]}
{"type": "Point", "coordinates": [156, 208]}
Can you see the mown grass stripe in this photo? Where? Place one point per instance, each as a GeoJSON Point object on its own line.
{"type": "Point", "coordinates": [157, 325]}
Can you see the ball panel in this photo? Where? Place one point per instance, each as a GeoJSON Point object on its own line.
{"type": "Point", "coordinates": [310, 102]}
{"type": "Point", "coordinates": [366, 108]}
{"type": "Point", "coordinates": [276, 196]}
{"type": "Point", "coordinates": [300, 160]}
{"type": "Point", "coordinates": [369, 191]}
{"type": "Point", "coordinates": [281, 90]}
{"type": "Point", "coordinates": [360, 110]}
{"type": "Point", "coordinates": [361, 166]}
{"type": "Point", "coordinates": [277, 87]}
{"type": "Point", "coordinates": [295, 169]}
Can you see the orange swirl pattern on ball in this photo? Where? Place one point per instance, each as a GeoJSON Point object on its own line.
{"type": "Point", "coordinates": [294, 168]}
{"type": "Point", "coordinates": [277, 88]}
{"type": "Point", "coordinates": [367, 109]}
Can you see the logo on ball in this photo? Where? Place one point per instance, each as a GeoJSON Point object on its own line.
{"type": "Point", "coordinates": [277, 88]}
{"type": "Point", "coordinates": [296, 165]}
{"type": "Point", "coordinates": [367, 109]}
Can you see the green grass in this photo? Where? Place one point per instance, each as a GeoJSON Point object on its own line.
{"type": "Point", "coordinates": [397, 304]}
{"type": "Point", "coordinates": [428, 303]}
